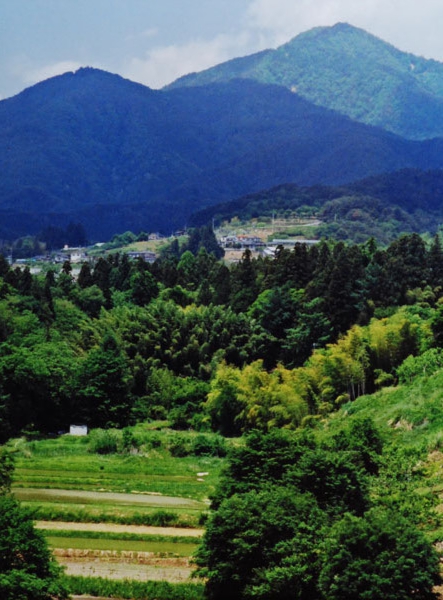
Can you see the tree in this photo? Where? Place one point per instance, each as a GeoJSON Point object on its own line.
{"type": "Point", "coordinates": [104, 395]}
{"type": "Point", "coordinates": [27, 568]}
{"type": "Point", "coordinates": [379, 555]}
{"type": "Point", "coordinates": [265, 458]}
{"type": "Point", "coordinates": [101, 275]}
{"type": "Point", "coordinates": [243, 283]}
{"type": "Point", "coordinates": [435, 262]}
{"type": "Point", "coordinates": [362, 442]}
{"type": "Point", "coordinates": [311, 330]}
{"type": "Point", "coordinates": [38, 382]}
{"type": "Point", "coordinates": [90, 299]}
{"type": "Point", "coordinates": [143, 287]}
{"type": "Point", "coordinates": [333, 479]}
{"type": "Point", "coordinates": [85, 278]}
{"type": "Point", "coordinates": [204, 237]}
{"type": "Point", "coordinates": [262, 545]}
{"type": "Point", "coordinates": [223, 404]}
{"type": "Point", "coordinates": [6, 471]}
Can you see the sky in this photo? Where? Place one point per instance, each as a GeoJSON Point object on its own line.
{"type": "Point", "coordinates": [155, 41]}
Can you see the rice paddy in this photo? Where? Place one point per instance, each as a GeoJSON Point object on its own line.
{"type": "Point", "coordinates": [61, 480]}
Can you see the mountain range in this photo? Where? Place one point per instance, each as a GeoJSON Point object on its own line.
{"type": "Point", "coordinates": [94, 148]}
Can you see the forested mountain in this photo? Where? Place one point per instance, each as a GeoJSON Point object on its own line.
{"type": "Point", "coordinates": [93, 148]}
{"type": "Point", "coordinates": [349, 70]}
{"type": "Point", "coordinates": [382, 206]}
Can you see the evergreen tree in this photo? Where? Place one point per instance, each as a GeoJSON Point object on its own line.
{"type": "Point", "coordinates": [244, 289]}
{"type": "Point", "coordinates": [104, 396]}
{"type": "Point", "coordinates": [435, 262]}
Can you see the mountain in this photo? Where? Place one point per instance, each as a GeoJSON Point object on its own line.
{"type": "Point", "coordinates": [94, 148]}
{"type": "Point", "coordinates": [349, 70]}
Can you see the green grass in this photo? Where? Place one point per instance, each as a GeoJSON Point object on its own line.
{"type": "Point", "coordinates": [149, 479]}
{"type": "Point", "coordinates": [134, 590]}
{"type": "Point", "coordinates": [408, 415]}
{"type": "Point", "coordinates": [65, 463]}
{"type": "Point", "coordinates": [126, 537]}
{"type": "Point", "coordinates": [164, 548]}
{"type": "Point", "coordinates": [157, 518]}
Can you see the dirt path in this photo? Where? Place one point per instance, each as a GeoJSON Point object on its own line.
{"type": "Point", "coordinates": [115, 528]}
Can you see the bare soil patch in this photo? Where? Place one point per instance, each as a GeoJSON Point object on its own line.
{"type": "Point", "coordinates": [142, 566]}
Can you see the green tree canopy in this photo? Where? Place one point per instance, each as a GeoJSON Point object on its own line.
{"type": "Point", "coordinates": [379, 555]}
{"type": "Point", "coordinates": [263, 546]}
{"type": "Point", "coordinates": [27, 568]}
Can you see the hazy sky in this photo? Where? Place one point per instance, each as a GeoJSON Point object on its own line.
{"type": "Point", "coordinates": [156, 41]}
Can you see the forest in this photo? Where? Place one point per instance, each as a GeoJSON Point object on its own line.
{"type": "Point", "coordinates": [263, 352]}
{"type": "Point", "coordinates": [188, 339]}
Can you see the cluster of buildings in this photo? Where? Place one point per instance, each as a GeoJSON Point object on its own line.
{"type": "Point", "coordinates": [241, 241]}
{"type": "Point", "coordinates": [254, 243]}
{"type": "Point", "coordinates": [80, 255]}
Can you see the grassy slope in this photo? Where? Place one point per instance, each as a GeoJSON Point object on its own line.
{"type": "Point", "coordinates": [410, 418]}
{"type": "Point", "coordinates": [408, 415]}
{"type": "Point", "coordinates": [65, 481]}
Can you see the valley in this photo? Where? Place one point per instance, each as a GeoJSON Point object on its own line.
{"type": "Point", "coordinates": [236, 390]}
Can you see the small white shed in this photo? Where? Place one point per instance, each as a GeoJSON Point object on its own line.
{"type": "Point", "coordinates": [78, 430]}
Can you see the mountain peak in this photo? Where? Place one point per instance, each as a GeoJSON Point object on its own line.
{"type": "Point", "coordinates": [351, 36]}
{"type": "Point", "coordinates": [349, 70]}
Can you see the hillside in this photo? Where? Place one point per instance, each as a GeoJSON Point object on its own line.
{"type": "Point", "coordinates": [382, 206]}
{"type": "Point", "coordinates": [351, 71]}
{"type": "Point", "coordinates": [94, 148]}
{"type": "Point", "coordinates": [179, 355]}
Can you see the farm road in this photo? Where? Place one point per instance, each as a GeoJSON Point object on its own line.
{"type": "Point", "coordinates": [115, 528]}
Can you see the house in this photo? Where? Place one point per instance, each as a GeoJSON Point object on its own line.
{"type": "Point", "coordinates": [74, 255]}
{"type": "Point", "coordinates": [147, 256]}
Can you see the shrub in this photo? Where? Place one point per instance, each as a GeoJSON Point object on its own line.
{"type": "Point", "coordinates": [425, 364]}
{"type": "Point", "coordinates": [104, 441]}
{"type": "Point", "coordinates": [209, 445]}
{"type": "Point", "coordinates": [180, 446]}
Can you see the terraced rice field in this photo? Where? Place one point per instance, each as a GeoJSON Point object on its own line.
{"type": "Point", "coordinates": [108, 496]}
{"type": "Point", "coordinates": [123, 552]}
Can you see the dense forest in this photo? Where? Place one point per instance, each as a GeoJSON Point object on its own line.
{"type": "Point", "coordinates": [261, 343]}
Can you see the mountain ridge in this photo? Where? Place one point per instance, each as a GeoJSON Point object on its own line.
{"type": "Point", "coordinates": [94, 147]}
{"type": "Point", "coordinates": [349, 70]}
